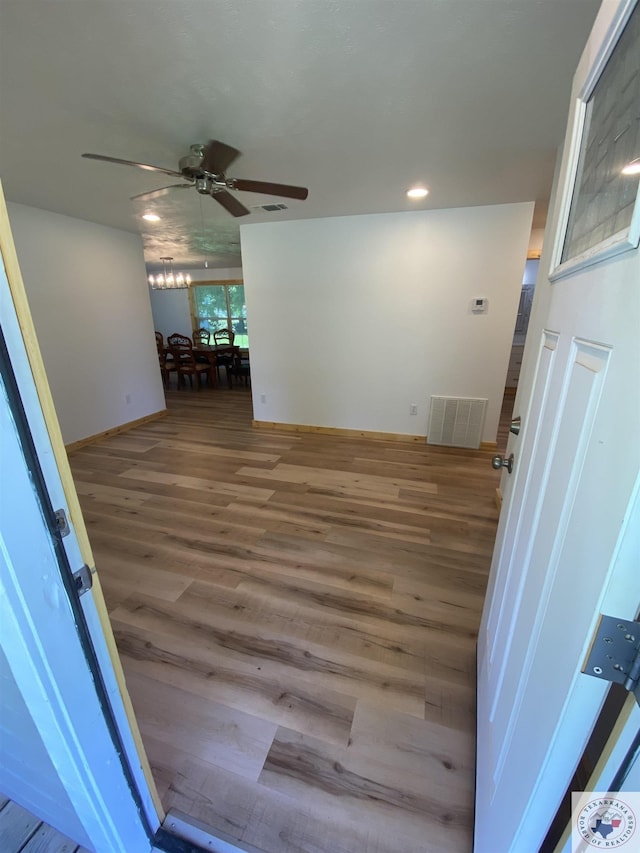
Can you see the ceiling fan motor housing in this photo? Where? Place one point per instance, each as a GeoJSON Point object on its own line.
{"type": "Point", "coordinates": [191, 164]}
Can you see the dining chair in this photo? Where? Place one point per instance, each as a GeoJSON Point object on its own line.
{"type": "Point", "coordinates": [221, 338]}
{"type": "Point", "coordinates": [165, 360]}
{"type": "Point", "coordinates": [181, 348]}
{"type": "Point", "coordinates": [177, 341]}
{"type": "Point", "coordinates": [201, 336]}
{"type": "Point", "coordinates": [240, 369]}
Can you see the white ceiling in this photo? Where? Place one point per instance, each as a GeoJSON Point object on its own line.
{"type": "Point", "coordinates": [355, 99]}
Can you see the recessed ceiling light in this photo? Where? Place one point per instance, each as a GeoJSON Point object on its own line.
{"type": "Point", "coordinates": [632, 168]}
{"type": "Point", "coordinates": [151, 217]}
{"type": "Point", "coordinates": [417, 192]}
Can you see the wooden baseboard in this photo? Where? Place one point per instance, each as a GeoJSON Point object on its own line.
{"type": "Point", "coordinates": [358, 433]}
{"type": "Point", "coordinates": [343, 433]}
{"type": "Point", "coordinates": [76, 445]}
{"type": "Point", "coordinates": [498, 499]}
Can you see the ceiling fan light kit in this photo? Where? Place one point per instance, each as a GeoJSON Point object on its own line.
{"type": "Point", "coordinates": [204, 168]}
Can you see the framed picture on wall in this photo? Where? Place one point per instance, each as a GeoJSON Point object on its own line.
{"type": "Point", "coordinates": [601, 215]}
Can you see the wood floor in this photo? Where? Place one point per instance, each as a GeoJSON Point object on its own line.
{"type": "Point", "coordinates": [297, 617]}
{"type": "Point", "coordinates": [22, 832]}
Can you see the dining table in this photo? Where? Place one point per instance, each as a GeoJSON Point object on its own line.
{"type": "Point", "coordinates": [219, 355]}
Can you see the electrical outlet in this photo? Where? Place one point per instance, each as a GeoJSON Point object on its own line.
{"type": "Point", "coordinates": [263, 398]}
{"type": "Point", "coordinates": [413, 409]}
{"type": "Point", "coordinates": [127, 399]}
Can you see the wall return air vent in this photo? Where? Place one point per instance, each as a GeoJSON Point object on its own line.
{"type": "Point", "coordinates": [456, 421]}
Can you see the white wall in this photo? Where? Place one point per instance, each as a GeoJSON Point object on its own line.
{"type": "Point", "coordinates": [536, 240]}
{"type": "Point", "coordinates": [353, 319]}
{"type": "Point", "coordinates": [88, 294]}
{"type": "Point", "coordinates": [171, 311]}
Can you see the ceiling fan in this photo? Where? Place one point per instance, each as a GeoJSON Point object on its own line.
{"type": "Point", "coordinates": [204, 167]}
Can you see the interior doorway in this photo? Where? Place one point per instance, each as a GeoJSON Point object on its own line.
{"type": "Point", "coordinates": [517, 347]}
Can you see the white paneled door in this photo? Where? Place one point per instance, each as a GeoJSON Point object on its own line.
{"type": "Point", "coordinates": [564, 552]}
{"type": "Point", "coordinates": [69, 750]}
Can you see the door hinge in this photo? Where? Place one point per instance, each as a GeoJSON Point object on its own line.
{"type": "Point", "coordinates": [83, 580]}
{"type": "Point", "coordinates": [62, 523]}
{"type": "Point", "coordinates": [615, 653]}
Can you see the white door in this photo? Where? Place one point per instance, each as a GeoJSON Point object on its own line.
{"type": "Point", "coordinates": [68, 751]}
{"type": "Point", "coordinates": [563, 551]}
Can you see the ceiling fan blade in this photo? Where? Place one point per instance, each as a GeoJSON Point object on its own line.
{"type": "Point", "coordinates": [268, 188]}
{"type": "Point", "coordinates": [145, 166]}
{"type": "Point", "coordinates": [230, 203]}
{"type": "Point", "coordinates": [217, 157]}
{"type": "Point", "coordinates": [161, 191]}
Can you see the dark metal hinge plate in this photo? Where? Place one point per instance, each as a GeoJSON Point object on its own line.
{"type": "Point", "coordinates": [615, 653]}
{"type": "Point", "coordinates": [83, 580]}
{"type": "Point", "coordinates": [62, 523]}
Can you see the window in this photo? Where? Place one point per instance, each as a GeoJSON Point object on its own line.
{"type": "Point", "coordinates": [220, 305]}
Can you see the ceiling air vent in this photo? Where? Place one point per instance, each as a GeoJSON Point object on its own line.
{"type": "Point", "coordinates": [271, 208]}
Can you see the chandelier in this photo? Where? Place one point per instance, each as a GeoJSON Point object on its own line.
{"type": "Point", "coordinates": [167, 279]}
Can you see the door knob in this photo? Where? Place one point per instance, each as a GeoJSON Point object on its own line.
{"type": "Point", "coordinates": [515, 425]}
{"type": "Point", "coordinates": [500, 462]}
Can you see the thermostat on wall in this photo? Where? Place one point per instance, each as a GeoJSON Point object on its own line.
{"type": "Point", "coordinates": [480, 305]}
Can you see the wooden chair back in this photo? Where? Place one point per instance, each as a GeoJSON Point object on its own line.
{"type": "Point", "coordinates": [185, 360]}
{"type": "Point", "coordinates": [223, 337]}
{"type": "Point", "coordinates": [165, 359]}
{"type": "Point", "coordinates": [180, 347]}
{"type": "Point", "coordinates": [176, 340]}
{"type": "Point", "coordinates": [201, 336]}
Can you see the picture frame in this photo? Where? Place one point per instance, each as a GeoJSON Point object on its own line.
{"type": "Point", "coordinates": [600, 216]}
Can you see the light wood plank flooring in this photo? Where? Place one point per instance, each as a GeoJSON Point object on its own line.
{"type": "Point", "coordinates": [297, 617]}
{"type": "Point", "coordinates": [22, 832]}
